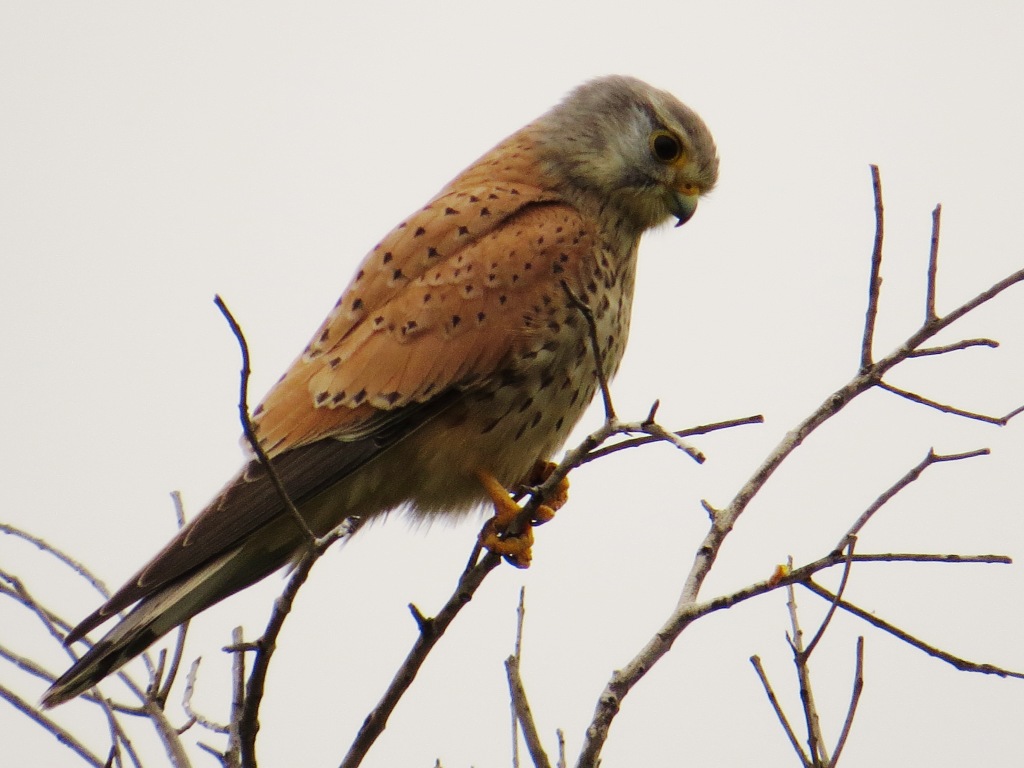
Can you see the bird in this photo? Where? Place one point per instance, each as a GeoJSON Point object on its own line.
{"type": "Point", "coordinates": [455, 363]}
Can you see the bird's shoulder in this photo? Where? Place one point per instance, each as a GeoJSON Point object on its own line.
{"type": "Point", "coordinates": [437, 303]}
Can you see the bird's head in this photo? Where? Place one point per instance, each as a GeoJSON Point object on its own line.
{"type": "Point", "coordinates": [638, 147]}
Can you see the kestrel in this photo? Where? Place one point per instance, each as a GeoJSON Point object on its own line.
{"type": "Point", "coordinates": [455, 360]}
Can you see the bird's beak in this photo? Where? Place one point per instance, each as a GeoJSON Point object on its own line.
{"type": "Point", "coordinates": [683, 204]}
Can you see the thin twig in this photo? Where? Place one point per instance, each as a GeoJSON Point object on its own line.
{"type": "Point", "coordinates": [955, 661]}
{"type": "Point", "coordinates": [915, 398]}
{"type": "Point", "coordinates": [76, 566]}
{"type": "Point", "coordinates": [250, 431]}
{"type": "Point", "coordinates": [779, 713]}
{"type": "Point", "coordinates": [690, 612]}
{"type": "Point", "coordinates": [595, 348]}
{"type": "Point", "coordinates": [232, 755]}
{"type": "Point", "coordinates": [909, 557]}
{"type": "Point", "coordinates": [186, 702]}
{"type": "Point", "coordinates": [911, 476]}
{"type": "Point", "coordinates": [179, 643]}
{"type": "Point", "coordinates": [815, 743]}
{"type": "Point", "coordinates": [635, 442]}
{"type": "Point", "coordinates": [524, 714]}
{"type": "Point", "coordinates": [58, 629]}
{"type": "Point", "coordinates": [64, 736]}
{"type": "Point", "coordinates": [839, 592]}
{"type": "Point", "coordinates": [514, 720]}
{"type": "Point", "coordinates": [858, 688]}
{"type": "Point", "coordinates": [248, 722]}
{"type": "Point", "coordinates": [875, 281]}
{"type": "Point", "coordinates": [933, 267]}
{"type": "Point", "coordinates": [954, 347]}
{"type": "Point", "coordinates": [430, 632]}
{"type": "Point", "coordinates": [521, 712]}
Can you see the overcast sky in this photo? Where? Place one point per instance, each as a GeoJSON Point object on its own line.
{"type": "Point", "coordinates": [152, 156]}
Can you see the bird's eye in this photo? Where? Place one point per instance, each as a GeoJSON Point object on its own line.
{"type": "Point", "coordinates": [665, 147]}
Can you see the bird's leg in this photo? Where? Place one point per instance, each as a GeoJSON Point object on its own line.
{"type": "Point", "coordinates": [516, 549]}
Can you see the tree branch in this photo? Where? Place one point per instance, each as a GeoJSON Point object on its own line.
{"type": "Point", "coordinates": [961, 664]}
{"type": "Point", "coordinates": [723, 520]}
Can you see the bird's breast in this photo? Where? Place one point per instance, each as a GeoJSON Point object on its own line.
{"type": "Point", "coordinates": [527, 411]}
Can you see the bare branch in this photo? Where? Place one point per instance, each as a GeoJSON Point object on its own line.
{"type": "Point", "coordinates": [954, 347]}
{"type": "Point", "coordinates": [933, 267]}
{"type": "Point", "coordinates": [63, 736]}
{"type": "Point", "coordinates": [901, 557]}
{"type": "Point", "coordinates": [478, 566]}
{"type": "Point", "coordinates": [76, 566]}
{"type": "Point", "coordinates": [430, 632]}
{"type": "Point", "coordinates": [233, 753]}
{"type": "Point", "coordinates": [999, 421]}
{"type": "Point", "coordinates": [858, 688]}
{"type": "Point", "coordinates": [931, 650]}
{"type": "Point", "coordinates": [875, 281]}
{"type": "Point", "coordinates": [521, 712]}
{"type": "Point", "coordinates": [635, 442]}
{"type": "Point", "coordinates": [58, 628]}
{"type": "Point", "coordinates": [851, 543]}
{"type": "Point", "coordinates": [774, 701]}
{"type": "Point", "coordinates": [520, 619]}
{"type": "Point", "coordinates": [250, 432]}
{"type": "Point", "coordinates": [520, 615]}
{"type": "Point", "coordinates": [595, 348]}
{"type": "Point", "coordinates": [725, 519]}
{"type": "Point", "coordinates": [912, 475]}
{"type": "Point", "coordinates": [815, 742]}
{"type": "Point", "coordinates": [186, 702]}
{"type": "Point", "coordinates": [524, 714]}
{"type": "Point", "coordinates": [248, 723]}
{"type": "Point", "coordinates": [164, 690]}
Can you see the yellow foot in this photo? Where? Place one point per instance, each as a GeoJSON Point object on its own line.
{"type": "Point", "coordinates": [542, 471]}
{"type": "Point", "coordinates": [517, 549]}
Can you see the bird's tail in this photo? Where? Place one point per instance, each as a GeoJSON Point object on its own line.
{"type": "Point", "coordinates": [146, 623]}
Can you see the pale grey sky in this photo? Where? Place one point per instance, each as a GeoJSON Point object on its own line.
{"type": "Point", "coordinates": [151, 156]}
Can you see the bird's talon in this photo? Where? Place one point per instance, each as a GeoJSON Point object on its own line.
{"type": "Point", "coordinates": [543, 514]}
{"type": "Point", "coordinates": [560, 495]}
{"type": "Point", "coordinates": [517, 550]}
{"type": "Point", "coordinates": [538, 475]}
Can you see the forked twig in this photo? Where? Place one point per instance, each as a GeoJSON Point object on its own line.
{"type": "Point", "coordinates": [521, 712]}
{"type": "Point", "coordinates": [909, 477]}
